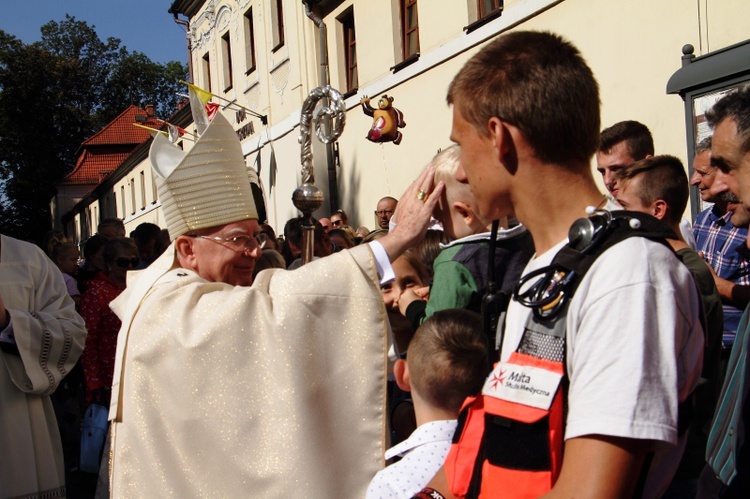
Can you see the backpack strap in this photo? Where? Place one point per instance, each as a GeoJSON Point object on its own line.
{"type": "Point", "coordinates": [494, 304]}
{"type": "Point", "coordinates": [548, 290]}
{"type": "Point", "coordinates": [497, 296]}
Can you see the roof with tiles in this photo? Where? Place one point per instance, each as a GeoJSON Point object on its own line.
{"type": "Point", "coordinates": [104, 151]}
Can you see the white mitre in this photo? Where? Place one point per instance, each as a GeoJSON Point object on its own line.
{"type": "Point", "coordinates": [205, 187]}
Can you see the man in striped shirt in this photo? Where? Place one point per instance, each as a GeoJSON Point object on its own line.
{"type": "Point", "coordinates": [727, 474]}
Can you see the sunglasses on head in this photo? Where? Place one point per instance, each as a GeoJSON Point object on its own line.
{"type": "Point", "coordinates": [124, 263]}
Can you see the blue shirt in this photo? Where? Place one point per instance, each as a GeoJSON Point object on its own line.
{"type": "Point", "coordinates": [723, 247]}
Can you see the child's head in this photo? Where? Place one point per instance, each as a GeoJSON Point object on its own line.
{"type": "Point", "coordinates": [428, 249]}
{"type": "Point", "coordinates": [447, 359]}
{"type": "Point", "coordinates": [65, 255]}
{"type": "Point", "coordinates": [342, 238]}
{"type": "Point", "coordinates": [457, 209]}
{"type": "Point", "coordinates": [410, 272]}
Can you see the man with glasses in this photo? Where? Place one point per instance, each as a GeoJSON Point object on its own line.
{"type": "Point", "coordinates": [229, 390]}
{"type": "Point", "coordinates": [384, 211]}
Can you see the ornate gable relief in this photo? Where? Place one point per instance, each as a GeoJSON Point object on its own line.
{"type": "Point", "coordinates": [202, 38]}
{"type": "Point", "coordinates": [243, 3]}
{"type": "Point", "coordinates": [223, 17]}
{"type": "Point", "coordinates": [206, 18]}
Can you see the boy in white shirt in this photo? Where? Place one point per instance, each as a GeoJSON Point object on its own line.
{"type": "Point", "coordinates": [446, 362]}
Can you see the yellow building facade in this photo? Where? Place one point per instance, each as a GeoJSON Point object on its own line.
{"type": "Point", "coordinates": [267, 55]}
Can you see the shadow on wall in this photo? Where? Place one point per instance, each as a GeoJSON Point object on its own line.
{"type": "Point", "coordinates": [347, 199]}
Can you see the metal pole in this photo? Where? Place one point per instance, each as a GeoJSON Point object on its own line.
{"type": "Point", "coordinates": [307, 197]}
{"type": "Point", "coordinates": [333, 190]}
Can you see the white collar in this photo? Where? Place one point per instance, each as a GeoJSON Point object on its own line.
{"type": "Point", "coordinates": [433, 431]}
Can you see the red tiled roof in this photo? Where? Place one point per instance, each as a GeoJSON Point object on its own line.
{"type": "Point", "coordinates": [121, 130]}
{"type": "Point", "coordinates": [92, 168]}
{"type": "Point", "coordinates": [107, 149]}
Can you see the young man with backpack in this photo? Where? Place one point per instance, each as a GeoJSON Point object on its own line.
{"type": "Point", "coordinates": [587, 403]}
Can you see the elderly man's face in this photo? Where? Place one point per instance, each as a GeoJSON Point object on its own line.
{"type": "Point", "coordinates": [219, 260]}
{"type": "Point", "coordinates": [703, 175]}
{"type": "Point", "coordinates": [734, 165]}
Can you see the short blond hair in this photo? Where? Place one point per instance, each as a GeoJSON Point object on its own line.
{"type": "Point", "coordinates": [446, 164]}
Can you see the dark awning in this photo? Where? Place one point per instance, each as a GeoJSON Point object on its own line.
{"type": "Point", "coordinates": [710, 69]}
{"type": "Point", "coordinates": [188, 8]}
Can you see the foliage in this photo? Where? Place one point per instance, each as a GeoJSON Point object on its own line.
{"type": "Point", "coordinates": [135, 78]}
{"type": "Point", "coordinates": [53, 95]}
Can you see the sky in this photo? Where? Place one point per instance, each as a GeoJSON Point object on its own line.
{"type": "Point", "coordinates": [141, 25]}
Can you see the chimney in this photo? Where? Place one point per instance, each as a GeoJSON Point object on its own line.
{"type": "Point", "coordinates": [150, 110]}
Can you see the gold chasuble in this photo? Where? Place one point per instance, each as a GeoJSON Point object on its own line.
{"type": "Point", "coordinates": [275, 390]}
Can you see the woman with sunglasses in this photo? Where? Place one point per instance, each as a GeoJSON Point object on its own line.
{"type": "Point", "coordinates": [339, 219]}
{"type": "Point", "coordinates": [120, 256]}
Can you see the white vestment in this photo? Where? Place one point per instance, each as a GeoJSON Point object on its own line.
{"type": "Point", "coordinates": [49, 335]}
{"type": "Point", "coordinates": [274, 390]}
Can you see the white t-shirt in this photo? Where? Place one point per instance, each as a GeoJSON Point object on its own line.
{"type": "Point", "coordinates": [424, 453]}
{"type": "Point", "coordinates": [686, 229]}
{"type": "Point", "coordinates": [634, 348]}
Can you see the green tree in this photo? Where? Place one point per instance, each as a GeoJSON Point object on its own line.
{"type": "Point", "coordinates": [136, 79]}
{"type": "Point", "coordinates": [53, 95]}
{"type": "Point", "coordinates": [30, 151]}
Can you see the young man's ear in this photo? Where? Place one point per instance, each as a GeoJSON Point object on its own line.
{"type": "Point", "coordinates": [401, 373]}
{"type": "Point", "coordinates": [659, 209]}
{"type": "Point", "coordinates": [505, 146]}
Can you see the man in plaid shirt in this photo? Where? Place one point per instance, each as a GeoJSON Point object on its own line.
{"type": "Point", "coordinates": [721, 243]}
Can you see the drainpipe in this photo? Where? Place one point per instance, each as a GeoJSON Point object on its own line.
{"type": "Point", "coordinates": [186, 25]}
{"type": "Point", "coordinates": [333, 192]}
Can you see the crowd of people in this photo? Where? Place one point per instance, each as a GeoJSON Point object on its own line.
{"type": "Point", "coordinates": [507, 330]}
